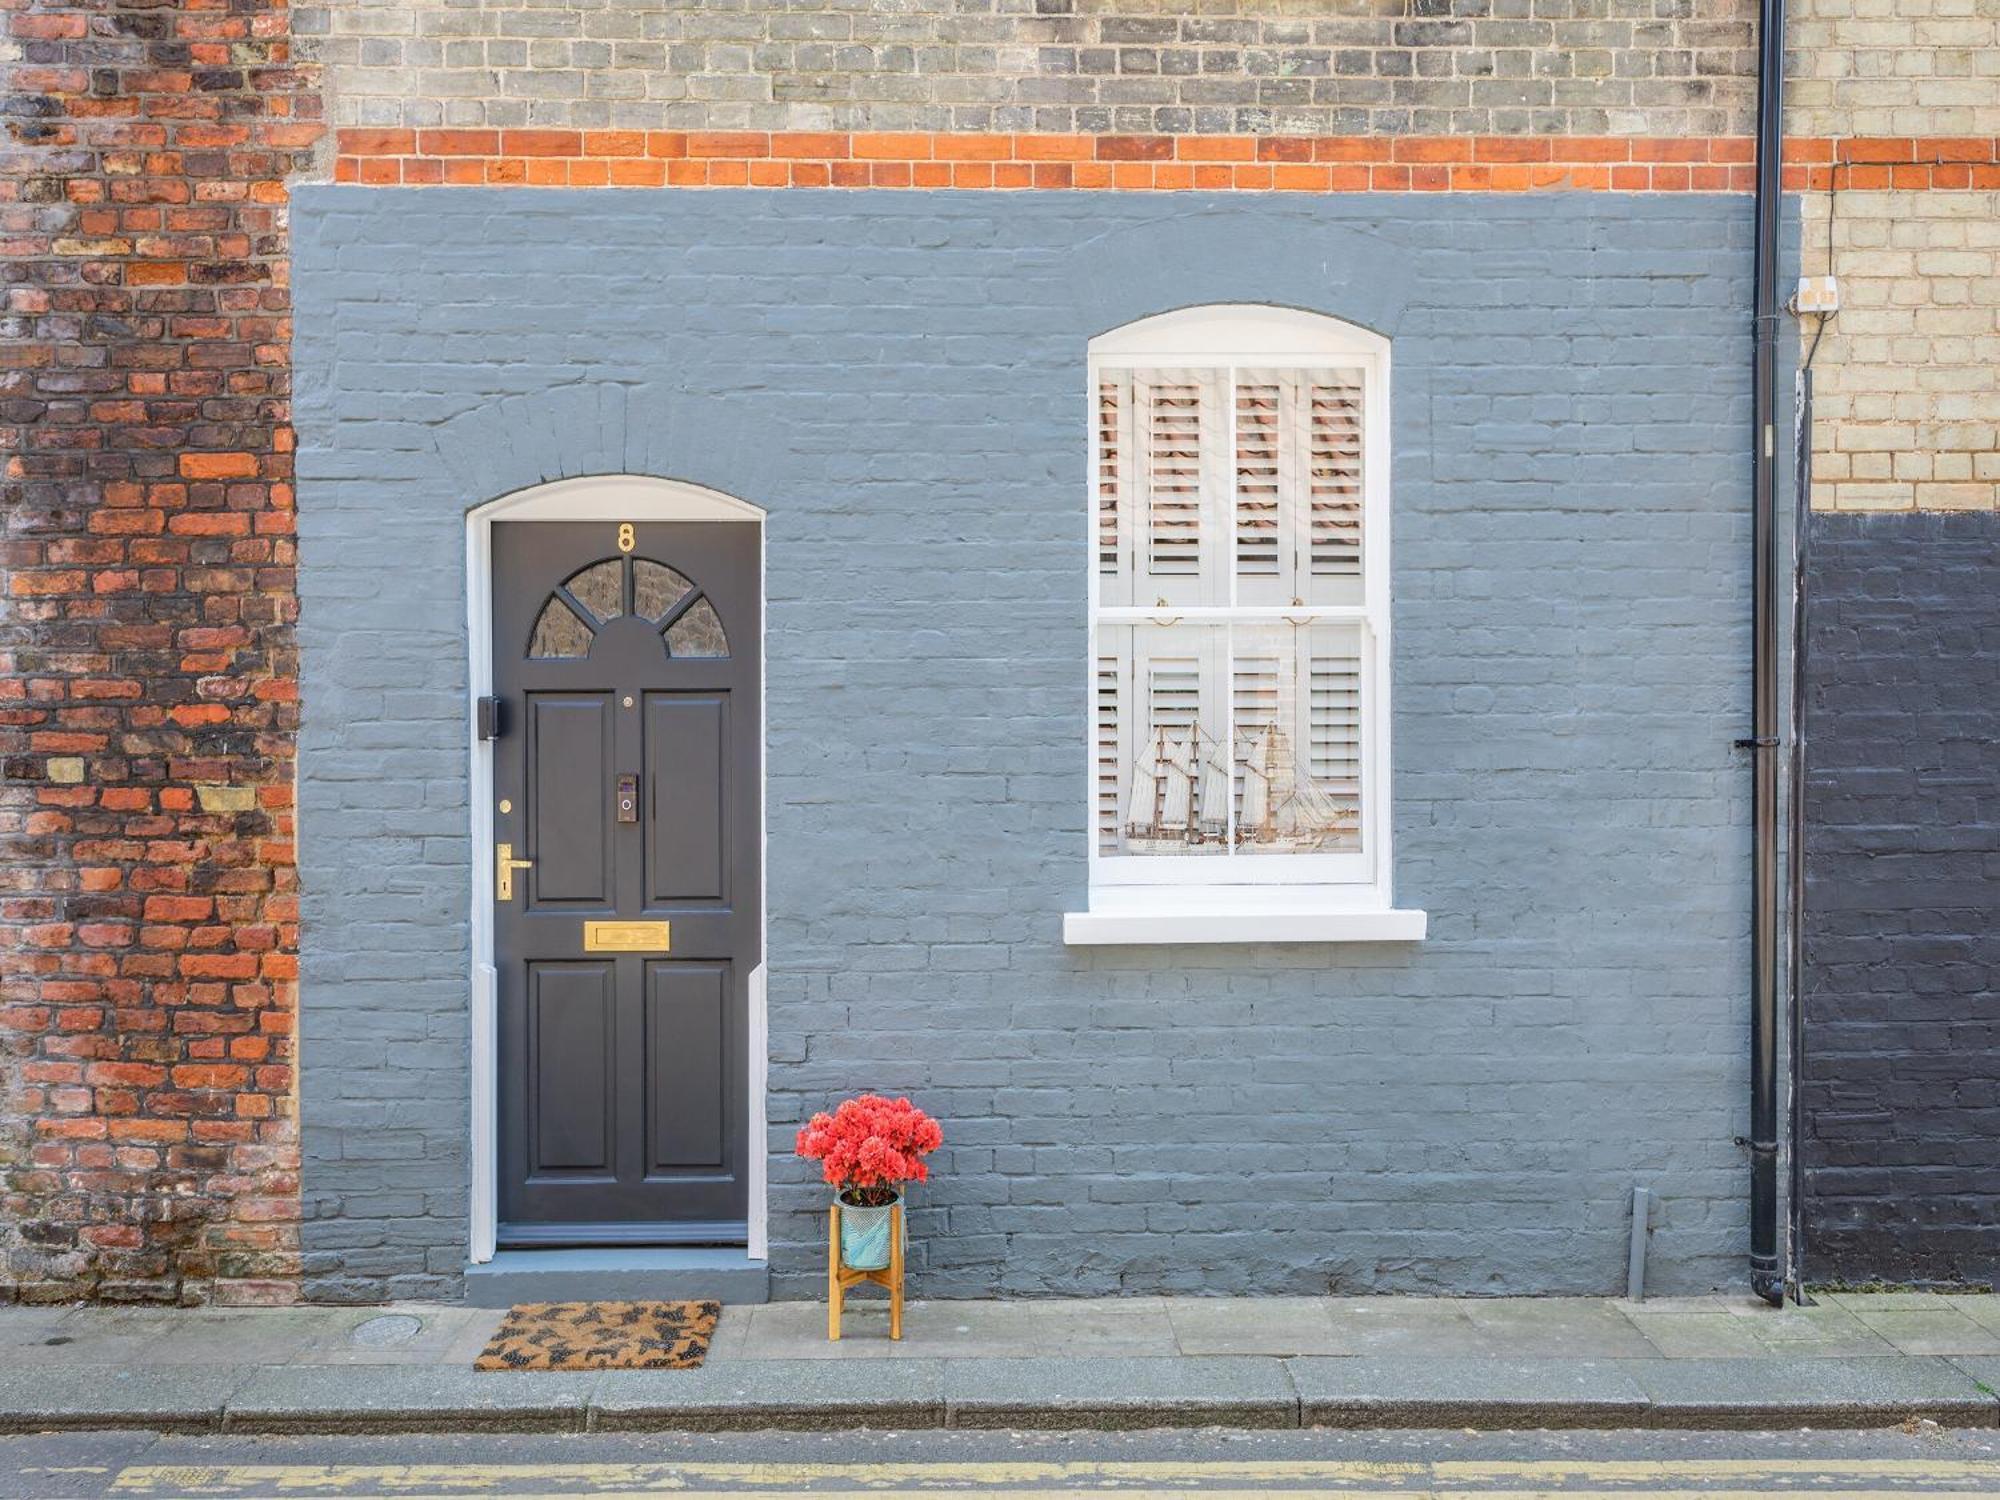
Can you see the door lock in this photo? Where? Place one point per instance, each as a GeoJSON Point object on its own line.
{"type": "Point", "coordinates": [504, 866]}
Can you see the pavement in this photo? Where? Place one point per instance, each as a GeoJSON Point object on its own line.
{"type": "Point", "coordinates": [1849, 1360]}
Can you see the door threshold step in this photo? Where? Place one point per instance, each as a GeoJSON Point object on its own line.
{"type": "Point", "coordinates": [619, 1274]}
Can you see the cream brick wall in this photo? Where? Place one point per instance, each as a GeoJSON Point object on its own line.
{"type": "Point", "coordinates": [1907, 379]}
{"type": "Point", "coordinates": [1894, 67]}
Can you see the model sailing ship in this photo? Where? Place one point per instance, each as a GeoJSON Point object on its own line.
{"type": "Point", "coordinates": [1179, 797]}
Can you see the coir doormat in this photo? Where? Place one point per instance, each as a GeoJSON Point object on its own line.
{"type": "Point", "coordinates": [602, 1336]}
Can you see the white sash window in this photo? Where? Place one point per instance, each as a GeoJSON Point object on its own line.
{"type": "Point", "coordinates": [1239, 614]}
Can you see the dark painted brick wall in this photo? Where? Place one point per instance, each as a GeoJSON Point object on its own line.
{"type": "Point", "coordinates": [1902, 1061]}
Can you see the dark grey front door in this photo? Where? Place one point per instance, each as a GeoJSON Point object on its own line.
{"type": "Point", "coordinates": [626, 777]}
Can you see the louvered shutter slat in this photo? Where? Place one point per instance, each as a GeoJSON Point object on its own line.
{"type": "Point", "coordinates": [1110, 402]}
{"type": "Point", "coordinates": [1174, 692]}
{"type": "Point", "coordinates": [1173, 479]}
{"type": "Point", "coordinates": [1257, 479]}
{"type": "Point", "coordinates": [1334, 438]}
{"type": "Point", "coordinates": [1109, 768]}
{"type": "Point", "coordinates": [1334, 723]}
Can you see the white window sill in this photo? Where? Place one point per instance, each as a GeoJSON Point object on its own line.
{"type": "Point", "coordinates": [1186, 919]}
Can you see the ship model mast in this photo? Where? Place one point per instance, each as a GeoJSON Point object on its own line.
{"type": "Point", "coordinates": [1180, 789]}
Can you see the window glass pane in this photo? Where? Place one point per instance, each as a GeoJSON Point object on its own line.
{"type": "Point", "coordinates": [600, 588]}
{"type": "Point", "coordinates": [656, 588]}
{"type": "Point", "coordinates": [697, 633]}
{"type": "Point", "coordinates": [1296, 695]}
{"type": "Point", "coordinates": [1162, 772]}
{"type": "Point", "coordinates": [559, 633]}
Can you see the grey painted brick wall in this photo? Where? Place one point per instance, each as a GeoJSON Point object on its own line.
{"type": "Point", "coordinates": [898, 379]}
{"type": "Point", "coordinates": [1902, 1058]}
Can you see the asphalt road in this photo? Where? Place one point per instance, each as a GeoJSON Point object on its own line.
{"type": "Point", "coordinates": [1924, 1460]}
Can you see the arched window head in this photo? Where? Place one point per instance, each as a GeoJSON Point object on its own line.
{"type": "Point", "coordinates": [593, 596]}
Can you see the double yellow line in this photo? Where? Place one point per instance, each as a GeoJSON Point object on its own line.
{"type": "Point", "coordinates": [1263, 1479]}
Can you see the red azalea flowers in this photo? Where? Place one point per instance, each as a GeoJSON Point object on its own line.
{"type": "Point", "coordinates": [869, 1145]}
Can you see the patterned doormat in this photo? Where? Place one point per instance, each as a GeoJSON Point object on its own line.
{"type": "Point", "coordinates": [602, 1336]}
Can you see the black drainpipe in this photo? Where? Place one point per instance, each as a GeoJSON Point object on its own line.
{"type": "Point", "coordinates": [1766, 1271]}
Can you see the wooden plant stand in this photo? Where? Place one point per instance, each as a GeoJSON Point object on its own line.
{"type": "Point", "coordinates": [840, 1277]}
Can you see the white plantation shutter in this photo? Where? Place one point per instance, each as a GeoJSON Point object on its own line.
{"type": "Point", "coordinates": [1228, 504]}
{"type": "Point", "coordinates": [1333, 722]}
{"type": "Point", "coordinates": [1180, 434]}
{"type": "Point", "coordinates": [1254, 703]}
{"type": "Point", "coordinates": [1253, 690]}
{"type": "Point", "coordinates": [1173, 437]}
{"type": "Point", "coordinates": [1259, 538]}
{"type": "Point", "coordinates": [1334, 459]}
{"type": "Point", "coordinates": [1111, 402]}
{"type": "Point", "coordinates": [1110, 765]}
{"type": "Point", "coordinates": [1297, 492]}
{"type": "Point", "coordinates": [1173, 693]}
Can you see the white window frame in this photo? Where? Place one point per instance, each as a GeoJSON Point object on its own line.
{"type": "Point", "coordinates": [1270, 897]}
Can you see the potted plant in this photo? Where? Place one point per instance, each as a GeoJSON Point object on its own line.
{"type": "Point", "coordinates": [867, 1149]}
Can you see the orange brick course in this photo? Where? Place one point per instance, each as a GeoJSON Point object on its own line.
{"type": "Point", "coordinates": [148, 910]}
{"type": "Point", "coordinates": [1296, 164]}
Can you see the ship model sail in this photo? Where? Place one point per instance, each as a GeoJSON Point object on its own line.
{"type": "Point", "coordinates": [1180, 789]}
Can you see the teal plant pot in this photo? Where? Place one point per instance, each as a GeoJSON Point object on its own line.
{"type": "Point", "coordinates": [864, 1235]}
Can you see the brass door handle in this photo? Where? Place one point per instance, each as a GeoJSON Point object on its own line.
{"type": "Point", "coordinates": [504, 866]}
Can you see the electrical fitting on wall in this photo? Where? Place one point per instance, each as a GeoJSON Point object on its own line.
{"type": "Point", "coordinates": [1816, 294]}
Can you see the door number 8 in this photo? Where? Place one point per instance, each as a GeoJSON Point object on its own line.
{"type": "Point", "coordinates": [625, 536]}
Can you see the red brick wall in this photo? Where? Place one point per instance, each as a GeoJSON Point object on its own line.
{"type": "Point", "coordinates": [148, 1138]}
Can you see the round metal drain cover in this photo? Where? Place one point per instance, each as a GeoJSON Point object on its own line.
{"type": "Point", "coordinates": [394, 1328]}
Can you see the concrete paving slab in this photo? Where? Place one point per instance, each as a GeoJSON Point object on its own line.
{"type": "Point", "coordinates": [732, 1331]}
{"type": "Point", "coordinates": [1983, 1309]}
{"type": "Point", "coordinates": [1406, 1325]}
{"type": "Point", "coordinates": [241, 1336]}
{"type": "Point", "coordinates": [1811, 1392]}
{"type": "Point", "coordinates": [1983, 1371]}
{"type": "Point", "coordinates": [1125, 1327]}
{"type": "Point", "coordinates": [1822, 1331]}
{"type": "Point", "coordinates": [1710, 1302]}
{"type": "Point", "coordinates": [739, 1395]}
{"type": "Point", "coordinates": [28, 1325]}
{"type": "Point", "coordinates": [943, 1330]}
{"type": "Point", "coordinates": [403, 1398]}
{"type": "Point", "coordinates": [357, 1341]}
{"type": "Point", "coordinates": [1100, 1394]}
{"type": "Point", "coordinates": [100, 1336]}
{"type": "Point", "coordinates": [1930, 1331]}
{"type": "Point", "coordinates": [1744, 1305]}
{"type": "Point", "coordinates": [1879, 1301]}
{"type": "Point", "coordinates": [1698, 1335]}
{"type": "Point", "coordinates": [1478, 1392]}
{"type": "Point", "coordinates": [1571, 1327]}
{"type": "Point", "coordinates": [159, 1398]}
{"type": "Point", "coordinates": [1277, 1326]}
{"type": "Point", "coordinates": [480, 1325]}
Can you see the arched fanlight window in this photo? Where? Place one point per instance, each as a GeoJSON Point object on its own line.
{"type": "Point", "coordinates": [594, 596]}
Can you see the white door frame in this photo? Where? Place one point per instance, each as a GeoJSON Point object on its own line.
{"type": "Point", "coordinates": [611, 497]}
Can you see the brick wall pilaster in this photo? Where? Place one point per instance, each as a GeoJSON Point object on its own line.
{"type": "Point", "coordinates": [147, 903]}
